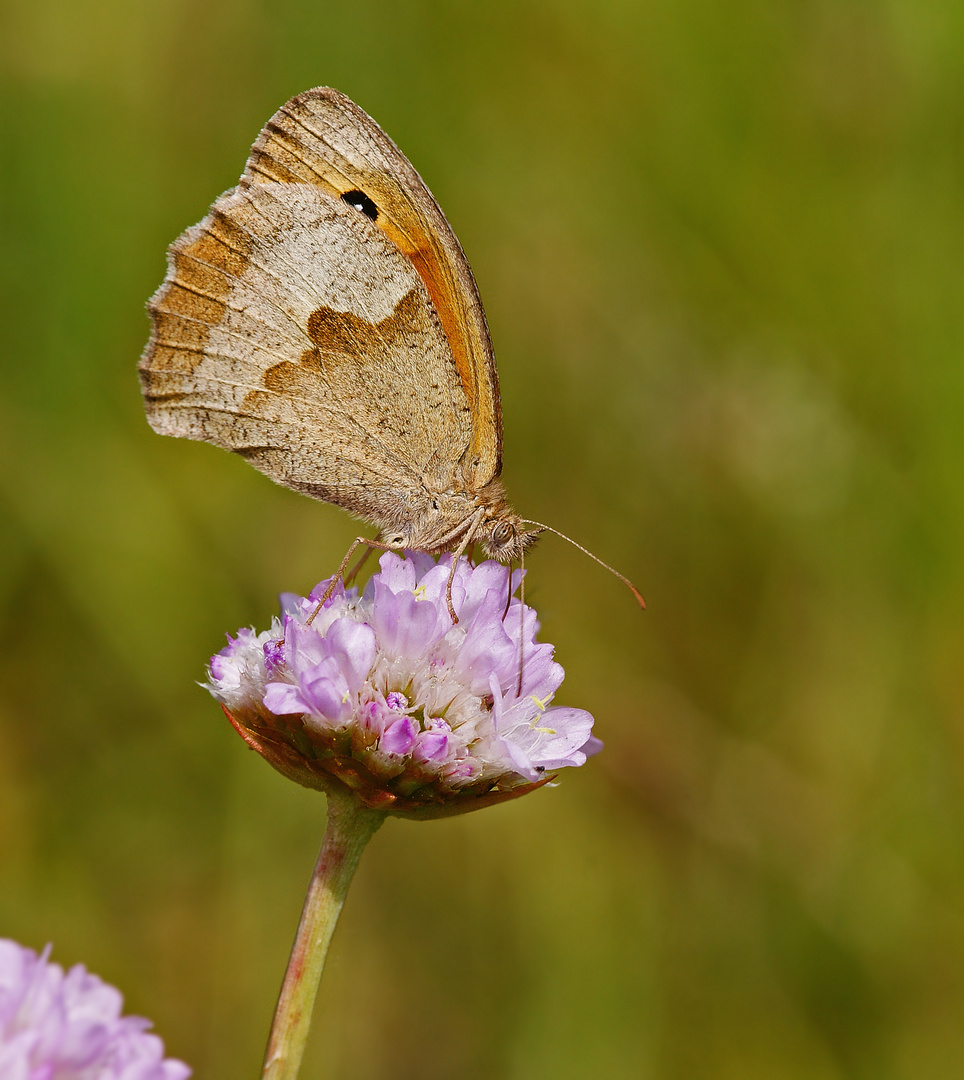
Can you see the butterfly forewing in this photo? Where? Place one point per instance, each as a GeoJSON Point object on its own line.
{"type": "Point", "coordinates": [322, 138]}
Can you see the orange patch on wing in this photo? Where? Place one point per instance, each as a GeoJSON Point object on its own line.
{"type": "Point", "coordinates": [341, 337]}
{"type": "Point", "coordinates": [444, 300]}
{"type": "Point", "coordinates": [193, 298]}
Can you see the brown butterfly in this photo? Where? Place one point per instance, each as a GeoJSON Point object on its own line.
{"type": "Point", "coordinates": [322, 321]}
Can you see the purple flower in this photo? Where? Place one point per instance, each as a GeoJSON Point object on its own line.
{"type": "Point", "coordinates": [383, 693]}
{"type": "Point", "coordinates": [57, 1026]}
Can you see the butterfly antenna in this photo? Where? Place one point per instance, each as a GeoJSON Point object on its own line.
{"type": "Point", "coordinates": [595, 558]}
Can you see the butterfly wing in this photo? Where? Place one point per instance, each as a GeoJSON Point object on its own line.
{"type": "Point", "coordinates": [291, 330]}
{"type": "Point", "coordinates": [342, 351]}
{"type": "Point", "coordinates": [323, 138]}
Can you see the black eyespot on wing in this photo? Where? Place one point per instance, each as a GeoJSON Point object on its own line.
{"type": "Point", "coordinates": [361, 202]}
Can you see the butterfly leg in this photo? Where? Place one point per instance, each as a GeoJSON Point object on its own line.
{"type": "Point", "coordinates": [356, 569]}
{"type": "Point", "coordinates": [522, 616]}
{"type": "Point", "coordinates": [339, 574]}
{"type": "Point", "coordinates": [470, 533]}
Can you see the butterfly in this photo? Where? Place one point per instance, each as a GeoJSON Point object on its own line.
{"type": "Point", "coordinates": [322, 322]}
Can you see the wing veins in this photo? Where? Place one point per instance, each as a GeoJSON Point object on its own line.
{"type": "Point", "coordinates": [361, 462]}
{"type": "Point", "coordinates": [386, 345]}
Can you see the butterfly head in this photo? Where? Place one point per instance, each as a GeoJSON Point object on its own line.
{"type": "Point", "coordinates": [505, 537]}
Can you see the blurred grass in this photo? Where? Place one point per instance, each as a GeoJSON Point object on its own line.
{"type": "Point", "coordinates": [720, 250]}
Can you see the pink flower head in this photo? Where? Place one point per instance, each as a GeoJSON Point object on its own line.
{"type": "Point", "coordinates": [382, 693]}
{"type": "Point", "coordinates": [68, 1026]}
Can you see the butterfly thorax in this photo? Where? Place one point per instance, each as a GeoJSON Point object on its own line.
{"type": "Point", "coordinates": [440, 521]}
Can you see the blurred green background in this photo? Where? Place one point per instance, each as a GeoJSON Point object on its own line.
{"type": "Point", "coordinates": [720, 247]}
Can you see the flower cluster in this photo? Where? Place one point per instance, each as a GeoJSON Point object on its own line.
{"type": "Point", "coordinates": [383, 694]}
{"type": "Point", "coordinates": [68, 1026]}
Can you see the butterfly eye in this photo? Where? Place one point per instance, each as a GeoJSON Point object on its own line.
{"type": "Point", "coordinates": [361, 202]}
{"type": "Point", "coordinates": [502, 534]}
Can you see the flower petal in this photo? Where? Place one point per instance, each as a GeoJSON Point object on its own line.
{"type": "Point", "coordinates": [399, 737]}
{"type": "Point", "coordinates": [352, 644]}
{"type": "Point", "coordinates": [284, 699]}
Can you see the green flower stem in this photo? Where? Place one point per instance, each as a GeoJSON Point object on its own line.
{"type": "Point", "coordinates": [350, 826]}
